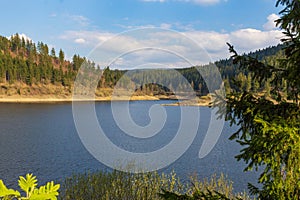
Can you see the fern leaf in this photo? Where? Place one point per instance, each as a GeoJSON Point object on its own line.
{"type": "Point", "coordinates": [5, 192]}
{"type": "Point", "coordinates": [49, 191]}
{"type": "Point", "coordinates": [28, 184]}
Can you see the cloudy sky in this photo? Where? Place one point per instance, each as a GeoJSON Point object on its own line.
{"type": "Point", "coordinates": [80, 27]}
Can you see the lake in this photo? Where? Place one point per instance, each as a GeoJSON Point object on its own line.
{"type": "Point", "coordinates": [42, 139]}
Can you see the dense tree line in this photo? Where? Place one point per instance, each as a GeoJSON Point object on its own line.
{"type": "Point", "coordinates": [233, 76]}
{"type": "Point", "coordinates": [237, 78]}
{"type": "Point", "coordinates": [22, 61]}
{"type": "Point", "coordinates": [29, 63]}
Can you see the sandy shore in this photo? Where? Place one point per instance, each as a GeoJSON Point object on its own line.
{"type": "Point", "coordinates": [53, 99]}
{"type": "Point", "coordinates": [203, 101]}
{"type": "Point", "coordinates": [187, 103]}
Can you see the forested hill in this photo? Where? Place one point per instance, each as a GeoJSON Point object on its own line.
{"type": "Point", "coordinates": [29, 63]}
{"type": "Point", "coordinates": [260, 54]}
{"type": "Point", "coordinates": [28, 69]}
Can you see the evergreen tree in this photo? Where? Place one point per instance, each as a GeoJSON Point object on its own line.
{"type": "Point", "coordinates": [61, 56]}
{"type": "Point", "coordinates": [256, 86]}
{"type": "Point", "coordinates": [249, 82]}
{"type": "Point", "coordinates": [53, 53]}
{"type": "Point", "coordinates": [270, 128]}
{"type": "Point", "coordinates": [267, 88]}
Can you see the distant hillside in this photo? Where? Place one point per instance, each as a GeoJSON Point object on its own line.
{"type": "Point", "coordinates": [233, 75]}
{"type": "Point", "coordinates": [229, 70]}
{"type": "Point", "coordinates": [29, 63]}
{"type": "Point", "coordinates": [29, 69]}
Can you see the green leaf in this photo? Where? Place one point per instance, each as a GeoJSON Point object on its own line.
{"type": "Point", "coordinates": [28, 184]}
{"type": "Point", "coordinates": [49, 191]}
{"type": "Point", "coordinates": [5, 192]}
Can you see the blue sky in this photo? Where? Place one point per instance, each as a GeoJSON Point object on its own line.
{"type": "Point", "coordinates": [78, 26]}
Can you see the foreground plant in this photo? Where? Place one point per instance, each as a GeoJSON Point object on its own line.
{"type": "Point", "coordinates": [215, 188]}
{"type": "Point", "coordinates": [146, 186]}
{"type": "Point", "coordinates": [28, 186]}
{"type": "Point", "coordinates": [119, 185]}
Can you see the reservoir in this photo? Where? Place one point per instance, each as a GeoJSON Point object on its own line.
{"type": "Point", "coordinates": [42, 139]}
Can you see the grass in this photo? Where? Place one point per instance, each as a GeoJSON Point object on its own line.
{"type": "Point", "coordinates": [144, 186]}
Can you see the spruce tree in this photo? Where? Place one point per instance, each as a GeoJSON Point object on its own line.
{"type": "Point", "coordinates": [61, 56]}
{"type": "Point", "coordinates": [270, 128]}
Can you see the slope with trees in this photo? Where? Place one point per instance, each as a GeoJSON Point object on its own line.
{"type": "Point", "coordinates": [28, 69]}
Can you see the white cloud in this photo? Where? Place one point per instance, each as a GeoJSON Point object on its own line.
{"type": "Point", "coordinates": [199, 2]}
{"type": "Point", "coordinates": [160, 46]}
{"type": "Point", "coordinates": [79, 40]}
{"type": "Point", "coordinates": [210, 40]}
{"type": "Point", "coordinates": [22, 35]}
{"type": "Point", "coordinates": [202, 2]}
{"type": "Point", "coordinates": [252, 39]}
{"type": "Point", "coordinates": [53, 15]}
{"type": "Point", "coordinates": [177, 25]}
{"type": "Point", "coordinates": [166, 26]}
{"type": "Point", "coordinates": [271, 25]}
{"type": "Point", "coordinates": [154, 0]}
{"type": "Point", "coordinates": [81, 20]}
{"type": "Point", "coordinates": [90, 38]}
{"type": "Point", "coordinates": [130, 27]}
{"type": "Point", "coordinates": [244, 40]}
{"type": "Point", "coordinates": [156, 45]}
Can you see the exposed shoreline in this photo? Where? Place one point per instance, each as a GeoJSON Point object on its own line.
{"type": "Point", "coordinates": [202, 101]}
{"type": "Point", "coordinates": [54, 99]}
{"type": "Point", "coordinates": [58, 94]}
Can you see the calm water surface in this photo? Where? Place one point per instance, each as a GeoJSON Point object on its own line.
{"type": "Point", "coordinates": [42, 139]}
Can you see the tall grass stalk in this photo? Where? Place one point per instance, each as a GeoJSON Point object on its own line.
{"type": "Point", "coordinates": [143, 186]}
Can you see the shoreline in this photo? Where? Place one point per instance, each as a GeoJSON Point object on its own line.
{"type": "Point", "coordinates": [182, 101]}
{"type": "Point", "coordinates": [53, 99]}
